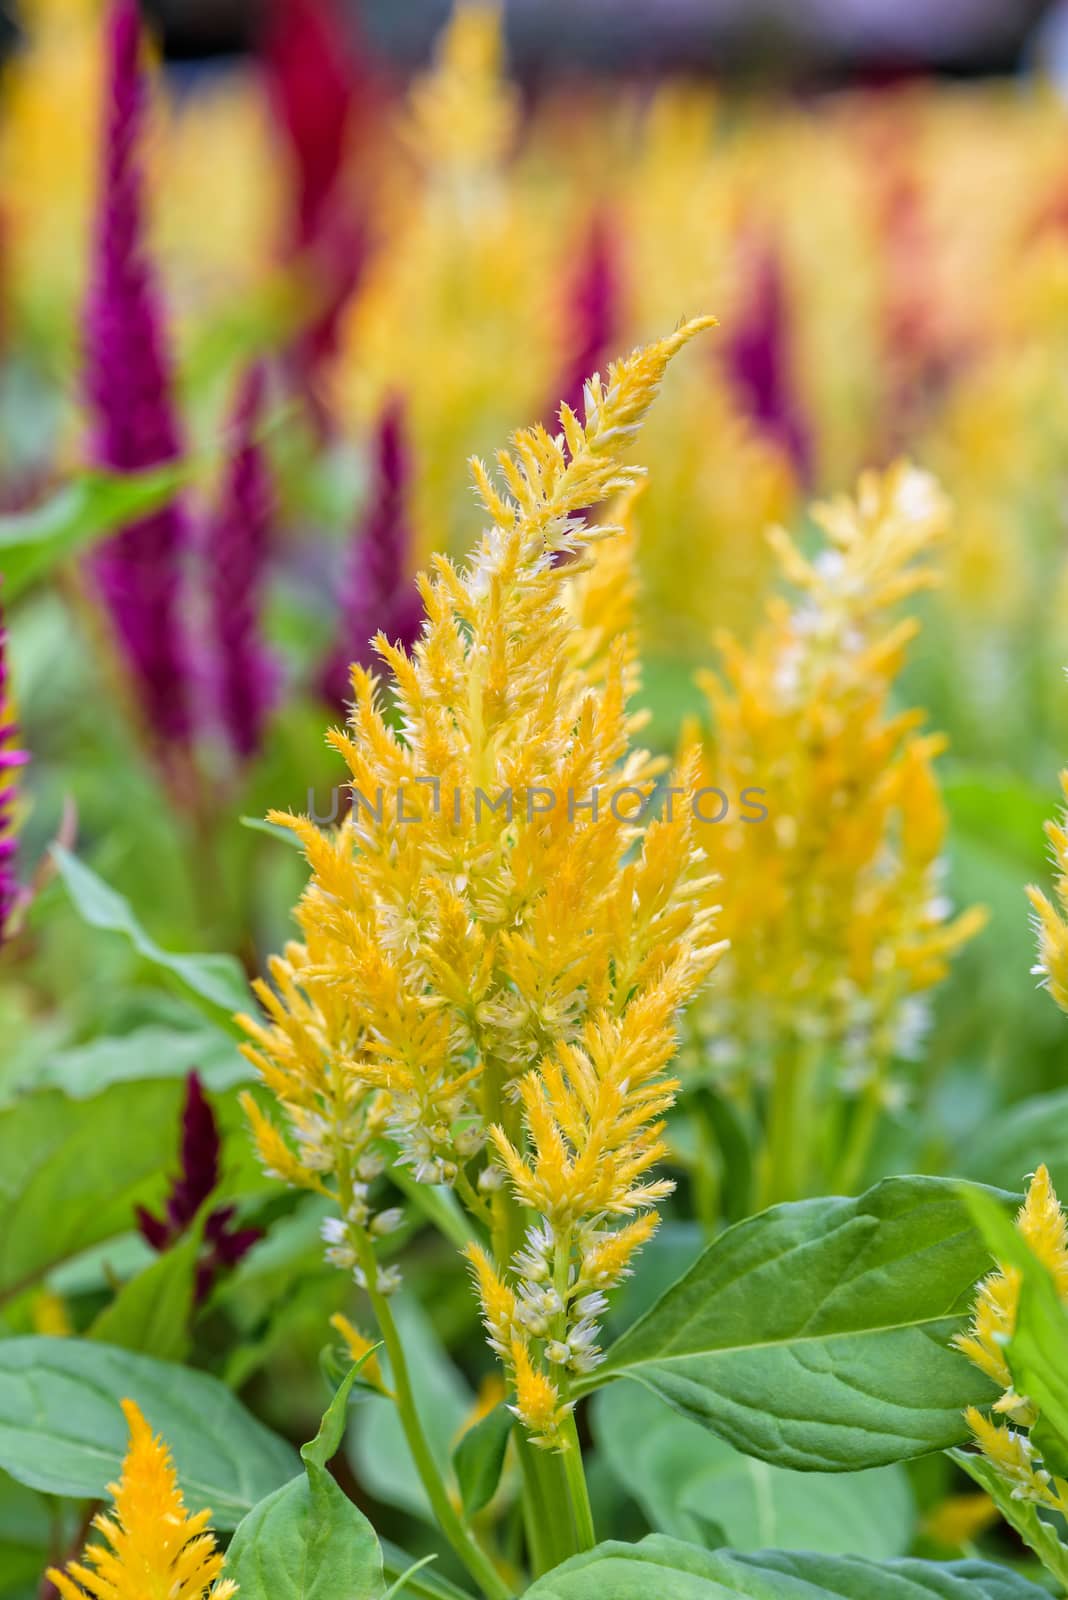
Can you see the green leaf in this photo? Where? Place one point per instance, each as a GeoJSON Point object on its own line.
{"type": "Point", "coordinates": [1014, 1142]}
{"type": "Point", "coordinates": [691, 1484]}
{"type": "Point", "coordinates": [71, 1173]}
{"type": "Point", "coordinates": [92, 505]}
{"type": "Point", "coordinates": [1022, 1515]}
{"type": "Point", "coordinates": [26, 1536]}
{"type": "Point", "coordinates": [816, 1335]}
{"type": "Point", "coordinates": [478, 1459]}
{"type": "Point", "coordinates": [216, 979]}
{"type": "Point", "coordinates": [307, 1541]}
{"type": "Point", "coordinates": [152, 1312]}
{"type": "Point", "coordinates": [1037, 1353]}
{"type": "Point", "coordinates": [149, 1052]}
{"type": "Point", "coordinates": [62, 1430]}
{"type": "Point", "coordinates": [659, 1568]}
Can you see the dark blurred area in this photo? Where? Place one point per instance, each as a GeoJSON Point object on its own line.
{"type": "Point", "coordinates": [813, 39]}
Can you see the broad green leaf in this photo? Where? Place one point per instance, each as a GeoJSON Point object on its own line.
{"type": "Point", "coordinates": [1016, 1141]}
{"type": "Point", "coordinates": [62, 1430]}
{"type": "Point", "coordinates": [377, 1446]}
{"type": "Point", "coordinates": [152, 1312]}
{"type": "Point", "coordinates": [478, 1459]}
{"type": "Point", "coordinates": [659, 1568]}
{"type": "Point", "coordinates": [1022, 1515]}
{"type": "Point", "coordinates": [92, 505]}
{"type": "Point", "coordinates": [689, 1484]}
{"type": "Point", "coordinates": [149, 1052]}
{"type": "Point", "coordinates": [1037, 1353]}
{"type": "Point", "coordinates": [307, 1541]}
{"type": "Point", "coordinates": [216, 979]}
{"type": "Point", "coordinates": [72, 1172]}
{"type": "Point", "coordinates": [816, 1335]}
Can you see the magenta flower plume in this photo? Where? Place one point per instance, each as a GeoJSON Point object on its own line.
{"type": "Point", "coordinates": [128, 388]}
{"type": "Point", "coordinates": [197, 1179]}
{"type": "Point", "coordinates": [11, 758]}
{"type": "Point", "coordinates": [236, 557]}
{"type": "Point", "coordinates": [593, 310]}
{"type": "Point", "coordinates": [320, 86]}
{"type": "Point", "coordinates": [378, 593]}
{"type": "Point", "coordinates": [757, 355]}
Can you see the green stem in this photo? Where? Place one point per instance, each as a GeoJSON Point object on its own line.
{"type": "Point", "coordinates": [547, 1541]}
{"type": "Point", "coordinates": [475, 1560]}
{"type": "Point", "coordinates": [578, 1493]}
{"type": "Point", "coordinates": [850, 1169]}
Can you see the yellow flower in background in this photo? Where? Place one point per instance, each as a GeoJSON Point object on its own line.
{"type": "Point", "coordinates": [1008, 1445]}
{"type": "Point", "coordinates": [1051, 916]}
{"type": "Point", "coordinates": [493, 945]}
{"type": "Point", "coordinates": [830, 847]}
{"type": "Point", "coordinates": [152, 1546]}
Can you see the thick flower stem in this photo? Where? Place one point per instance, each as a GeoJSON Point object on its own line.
{"type": "Point", "coordinates": [578, 1494]}
{"type": "Point", "coordinates": [475, 1560]}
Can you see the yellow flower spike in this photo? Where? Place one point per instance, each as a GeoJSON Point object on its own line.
{"type": "Point", "coordinates": [153, 1547]}
{"type": "Point", "coordinates": [830, 851]}
{"type": "Point", "coordinates": [358, 1346]}
{"type": "Point", "coordinates": [50, 1314]}
{"type": "Point", "coordinates": [537, 1401]}
{"type": "Point", "coordinates": [1044, 1226]}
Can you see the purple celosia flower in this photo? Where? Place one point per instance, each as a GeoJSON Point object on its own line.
{"type": "Point", "coordinates": [757, 355]}
{"type": "Point", "coordinates": [236, 557]}
{"type": "Point", "coordinates": [11, 758]}
{"type": "Point", "coordinates": [593, 311]}
{"type": "Point", "coordinates": [198, 1177]}
{"type": "Point", "coordinates": [377, 592]}
{"type": "Point", "coordinates": [321, 87]}
{"type": "Point", "coordinates": [129, 394]}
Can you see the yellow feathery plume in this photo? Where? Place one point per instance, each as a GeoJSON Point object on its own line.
{"type": "Point", "coordinates": [489, 941]}
{"type": "Point", "coordinates": [1042, 1223]}
{"type": "Point", "coordinates": [1051, 920]}
{"type": "Point", "coordinates": [538, 1405]}
{"type": "Point", "coordinates": [359, 1347]}
{"type": "Point", "coordinates": [153, 1550]}
{"type": "Point", "coordinates": [463, 112]}
{"type": "Point", "coordinates": [830, 840]}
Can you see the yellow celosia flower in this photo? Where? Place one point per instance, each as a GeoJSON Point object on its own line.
{"type": "Point", "coordinates": [463, 112]}
{"type": "Point", "coordinates": [154, 1549]}
{"type": "Point", "coordinates": [831, 843]}
{"type": "Point", "coordinates": [1044, 1227]}
{"type": "Point", "coordinates": [50, 1314]}
{"type": "Point", "coordinates": [359, 1347]}
{"type": "Point", "coordinates": [491, 942]}
{"type": "Point", "coordinates": [1051, 920]}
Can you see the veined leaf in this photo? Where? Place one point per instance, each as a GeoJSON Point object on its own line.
{"type": "Point", "coordinates": [689, 1483]}
{"type": "Point", "coordinates": [215, 979]}
{"type": "Point", "coordinates": [307, 1541]}
{"type": "Point", "coordinates": [667, 1569]}
{"type": "Point", "coordinates": [71, 1173]}
{"type": "Point", "coordinates": [816, 1335]}
{"type": "Point", "coordinates": [62, 1430]}
{"type": "Point", "coordinates": [92, 505]}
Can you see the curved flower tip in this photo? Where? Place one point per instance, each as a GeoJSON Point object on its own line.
{"type": "Point", "coordinates": [151, 1545]}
